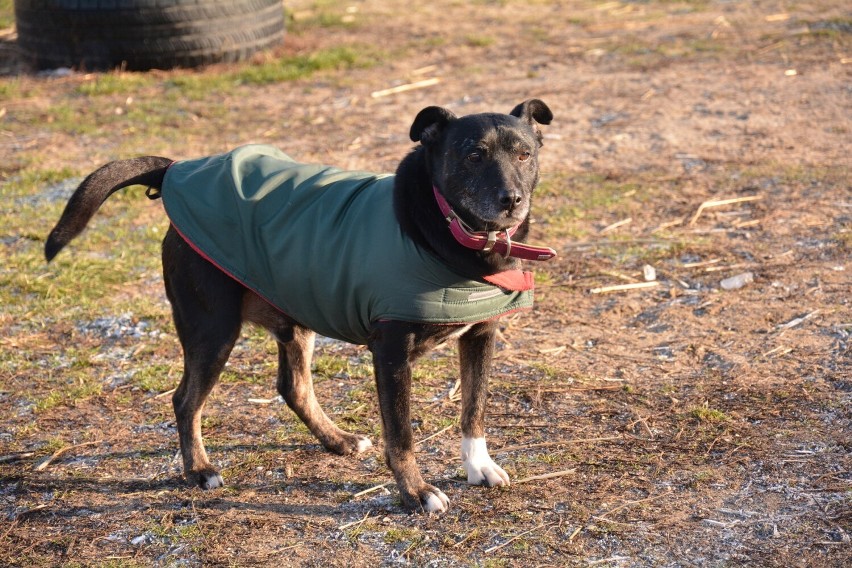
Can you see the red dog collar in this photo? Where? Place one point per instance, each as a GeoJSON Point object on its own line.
{"type": "Point", "coordinates": [499, 242]}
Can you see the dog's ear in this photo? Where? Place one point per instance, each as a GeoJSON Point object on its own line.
{"type": "Point", "coordinates": [532, 111]}
{"type": "Point", "coordinates": [429, 123]}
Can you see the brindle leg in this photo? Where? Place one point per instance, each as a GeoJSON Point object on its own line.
{"type": "Point", "coordinates": [394, 346]}
{"type": "Point", "coordinates": [476, 349]}
{"type": "Point", "coordinates": [206, 308]}
{"type": "Point", "coordinates": [297, 387]}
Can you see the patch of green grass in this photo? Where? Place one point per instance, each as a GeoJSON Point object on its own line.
{"type": "Point", "coordinates": [330, 366]}
{"type": "Point", "coordinates": [155, 377]}
{"type": "Point", "coordinates": [625, 250]}
{"type": "Point", "coordinates": [11, 89]}
{"type": "Point", "coordinates": [710, 415]}
{"type": "Point", "coordinates": [53, 444]}
{"type": "Point", "coordinates": [78, 388]}
{"type": "Point", "coordinates": [566, 201]}
{"type": "Point", "coordinates": [119, 82]}
{"type": "Point", "coordinates": [475, 40]}
{"type": "Point", "coordinates": [432, 42]}
{"type": "Point", "coordinates": [300, 66]}
{"type": "Point", "coordinates": [324, 14]}
{"type": "Point", "coordinates": [549, 371]}
{"type": "Point", "coordinates": [198, 86]}
{"type": "Point", "coordinates": [441, 367]}
{"type": "Point", "coordinates": [843, 238]}
{"type": "Point", "coordinates": [71, 118]}
{"type": "Point", "coordinates": [7, 13]}
{"type": "Point", "coordinates": [32, 181]}
{"type": "Point", "coordinates": [399, 534]}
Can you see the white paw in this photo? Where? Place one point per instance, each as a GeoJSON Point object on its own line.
{"type": "Point", "coordinates": [480, 468]}
{"type": "Point", "coordinates": [435, 501]}
{"type": "Point", "coordinates": [363, 445]}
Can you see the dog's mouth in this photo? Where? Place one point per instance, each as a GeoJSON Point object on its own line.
{"type": "Point", "coordinates": [493, 218]}
{"type": "Point", "coordinates": [503, 221]}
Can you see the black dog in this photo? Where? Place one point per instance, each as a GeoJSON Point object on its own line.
{"type": "Point", "coordinates": [455, 204]}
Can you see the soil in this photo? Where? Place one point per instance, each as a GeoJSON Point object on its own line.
{"type": "Point", "coordinates": [676, 424]}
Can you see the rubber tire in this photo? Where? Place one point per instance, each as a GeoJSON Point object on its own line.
{"type": "Point", "coordinates": [145, 34]}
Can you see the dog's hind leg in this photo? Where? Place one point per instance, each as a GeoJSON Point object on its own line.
{"type": "Point", "coordinates": [476, 348]}
{"type": "Point", "coordinates": [206, 308]}
{"type": "Point", "coordinates": [296, 386]}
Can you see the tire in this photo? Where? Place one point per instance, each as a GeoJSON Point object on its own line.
{"type": "Point", "coordinates": [145, 34]}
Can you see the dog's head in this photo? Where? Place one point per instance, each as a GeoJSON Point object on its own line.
{"type": "Point", "coordinates": [485, 165]}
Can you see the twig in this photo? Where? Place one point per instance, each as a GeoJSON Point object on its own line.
{"type": "Point", "coordinates": [620, 276]}
{"type": "Point", "coordinates": [797, 321]}
{"type": "Point", "coordinates": [371, 489]}
{"type": "Point", "coordinates": [546, 476]}
{"type": "Point", "coordinates": [516, 537]}
{"type": "Point", "coordinates": [406, 87]}
{"type": "Point", "coordinates": [605, 520]}
{"type": "Point", "coordinates": [642, 421]}
{"type": "Point", "coordinates": [620, 287]}
{"type": "Point", "coordinates": [291, 547]}
{"type": "Point", "coordinates": [610, 559]}
{"type": "Point", "coordinates": [43, 465]}
{"type": "Point", "coordinates": [16, 457]}
{"type": "Point", "coordinates": [471, 534]}
{"type": "Point", "coordinates": [264, 400]}
{"type": "Point", "coordinates": [31, 510]}
{"type": "Point", "coordinates": [575, 533]}
{"type": "Point", "coordinates": [11, 526]}
{"type": "Point", "coordinates": [556, 443]}
{"type": "Point", "coordinates": [581, 389]}
{"type": "Point", "coordinates": [700, 264]}
{"type": "Point", "coordinates": [616, 225]}
{"type": "Point", "coordinates": [435, 435]}
{"type": "Point", "coordinates": [627, 242]}
{"type": "Point", "coordinates": [668, 224]}
{"type": "Point", "coordinates": [165, 393]}
{"type": "Point", "coordinates": [631, 503]}
{"type": "Point", "coordinates": [780, 350]}
{"type": "Point", "coordinates": [719, 203]}
{"type": "Point", "coordinates": [354, 523]}
{"type": "Point", "coordinates": [730, 266]}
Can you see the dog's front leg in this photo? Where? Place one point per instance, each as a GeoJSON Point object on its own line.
{"type": "Point", "coordinates": [394, 347]}
{"type": "Point", "coordinates": [476, 349]}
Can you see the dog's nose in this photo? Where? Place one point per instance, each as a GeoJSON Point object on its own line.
{"type": "Point", "coordinates": [509, 199]}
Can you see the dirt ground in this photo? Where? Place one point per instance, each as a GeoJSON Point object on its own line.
{"type": "Point", "coordinates": [676, 424]}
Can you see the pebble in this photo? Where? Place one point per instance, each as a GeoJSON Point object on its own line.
{"type": "Point", "coordinates": [738, 281]}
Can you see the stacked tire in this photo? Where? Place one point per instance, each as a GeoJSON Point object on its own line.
{"type": "Point", "coordinates": [145, 34]}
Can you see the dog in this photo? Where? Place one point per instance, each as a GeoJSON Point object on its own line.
{"type": "Point", "coordinates": [447, 221]}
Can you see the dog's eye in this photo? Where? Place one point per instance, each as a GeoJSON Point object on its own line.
{"type": "Point", "coordinates": [524, 156]}
{"type": "Point", "coordinates": [474, 157]}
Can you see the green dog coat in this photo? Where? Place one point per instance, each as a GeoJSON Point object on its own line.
{"type": "Point", "coordinates": [320, 244]}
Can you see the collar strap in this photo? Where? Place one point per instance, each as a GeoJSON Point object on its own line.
{"type": "Point", "coordinates": [499, 242]}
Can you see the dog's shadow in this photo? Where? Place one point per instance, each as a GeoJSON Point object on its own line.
{"type": "Point", "coordinates": [160, 491]}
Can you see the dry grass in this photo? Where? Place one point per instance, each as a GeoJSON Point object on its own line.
{"type": "Point", "coordinates": [678, 425]}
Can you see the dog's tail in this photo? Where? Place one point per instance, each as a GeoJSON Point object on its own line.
{"type": "Point", "coordinates": [95, 189]}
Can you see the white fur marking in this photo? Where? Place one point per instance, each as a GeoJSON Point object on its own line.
{"type": "Point", "coordinates": [480, 468]}
{"type": "Point", "coordinates": [363, 444]}
{"type": "Point", "coordinates": [436, 502]}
